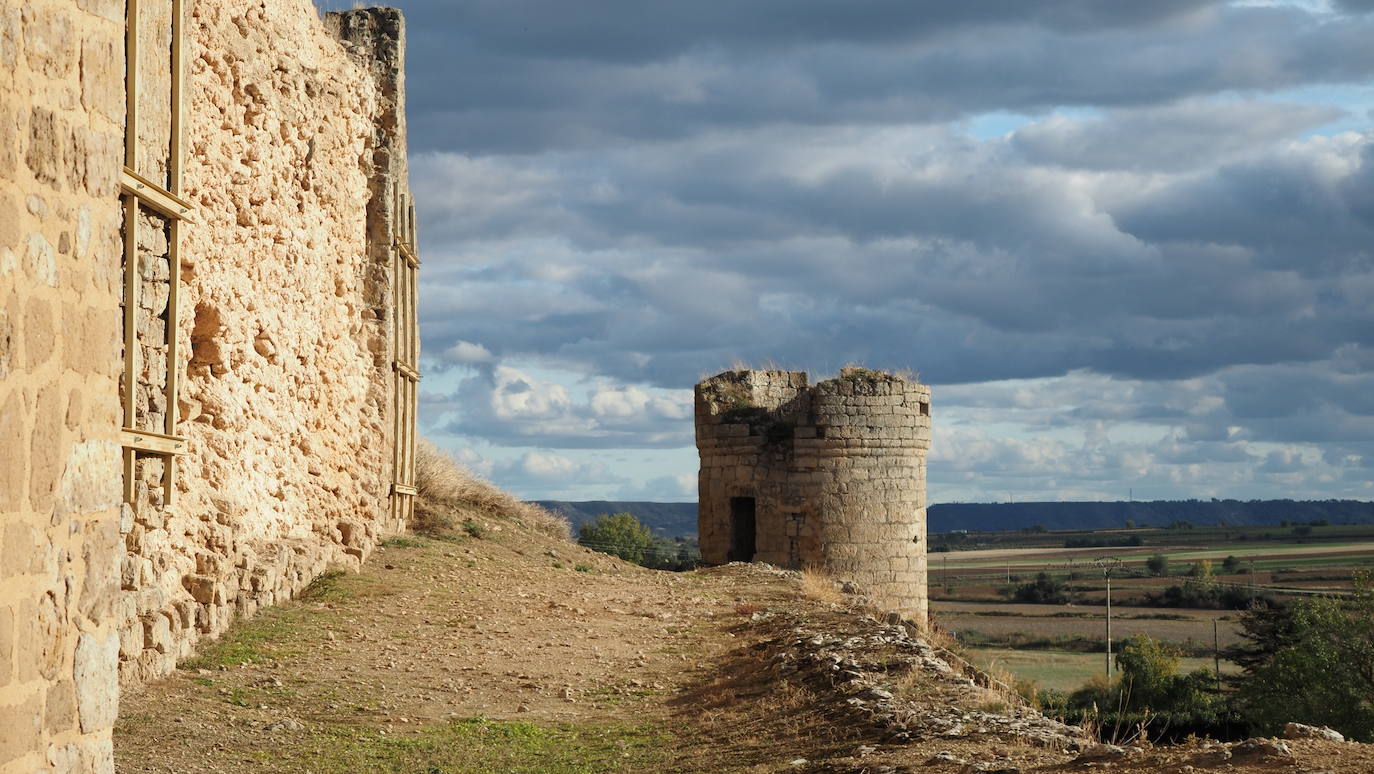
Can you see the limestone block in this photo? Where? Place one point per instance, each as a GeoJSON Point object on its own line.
{"type": "Point", "coordinates": [96, 676]}
{"type": "Point", "coordinates": [22, 722]}
{"type": "Point", "coordinates": [60, 710]}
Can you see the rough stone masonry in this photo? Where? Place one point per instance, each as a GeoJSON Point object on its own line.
{"type": "Point", "coordinates": [831, 475]}
{"type": "Point", "coordinates": [259, 274]}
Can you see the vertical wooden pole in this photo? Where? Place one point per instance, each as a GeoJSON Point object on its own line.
{"type": "Point", "coordinates": [169, 467]}
{"type": "Point", "coordinates": [175, 145]}
{"type": "Point", "coordinates": [131, 85]}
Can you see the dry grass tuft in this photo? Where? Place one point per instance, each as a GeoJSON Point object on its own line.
{"type": "Point", "coordinates": [816, 584]}
{"type": "Point", "coordinates": [447, 491]}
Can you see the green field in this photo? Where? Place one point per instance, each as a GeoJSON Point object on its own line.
{"type": "Point", "coordinates": [1064, 671]}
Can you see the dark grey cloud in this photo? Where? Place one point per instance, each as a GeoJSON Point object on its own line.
{"type": "Point", "coordinates": [526, 77]}
{"type": "Point", "coordinates": [1162, 278]}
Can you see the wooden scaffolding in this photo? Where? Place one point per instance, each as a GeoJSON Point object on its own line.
{"type": "Point", "coordinates": [405, 264]}
{"type": "Point", "coordinates": [139, 192]}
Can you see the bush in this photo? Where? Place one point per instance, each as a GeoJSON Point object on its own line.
{"type": "Point", "coordinates": [1148, 695]}
{"type": "Point", "coordinates": [1158, 565]}
{"type": "Point", "coordinates": [1044, 590]}
{"type": "Point", "coordinates": [1311, 662]}
{"type": "Point", "coordinates": [618, 534]}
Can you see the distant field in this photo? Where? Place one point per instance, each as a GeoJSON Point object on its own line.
{"type": "Point", "coordinates": [1065, 671]}
{"type": "Point", "coordinates": [1295, 554]}
{"type": "Point", "coordinates": [1088, 621]}
{"type": "Point", "coordinates": [969, 589]}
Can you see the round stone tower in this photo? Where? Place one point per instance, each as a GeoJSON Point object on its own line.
{"type": "Point", "coordinates": [831, 475]}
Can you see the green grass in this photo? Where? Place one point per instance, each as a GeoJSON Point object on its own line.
{"type": "Point", "coordinates": [1065, 671]}
{"type": "Point", "coordinates": [481, 746]}
{"type": "Point", "coordinates": [400, 541]}
{"type": "Point", "coordinates": [328, 586]}
{"type": "Point", "coordinates": [265, 638]}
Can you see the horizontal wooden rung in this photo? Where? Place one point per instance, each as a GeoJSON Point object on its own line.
{"type": "Point", "coordinates": [404, 489]}
{"type": "Point", "coordinates": [154, 195]}
{"type": "Point", "coordinates": [408, 253]}
{"type": "Point", "coordinates": [407, 370]}
{"type": "Point", "coordinates": [154, 443]}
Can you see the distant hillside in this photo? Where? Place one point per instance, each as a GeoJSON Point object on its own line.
{"type": "Point", "coordinates": [1156, 513]}
{"type": "Point", "coordinates": [680, 519]}
{"type": "Point", "coordinates": [665, 519]}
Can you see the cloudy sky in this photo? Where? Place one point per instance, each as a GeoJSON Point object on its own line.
{"type": "Point", "coordinates": [1129, 244]}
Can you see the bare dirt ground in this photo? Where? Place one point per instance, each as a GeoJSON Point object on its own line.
{"type": "Point", "coordinates": [516, 652]}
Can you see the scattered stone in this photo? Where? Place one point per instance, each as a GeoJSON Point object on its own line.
{"type": "Point", "coordinates": [1107, 752]}
{"type": "Point", "coordinates": [991, 767]}
{"type": "Point", "coordinates": [1262, 748]}
{"type": "Point", "coordinates": [945, 757]}
{"type": "Point", "coordinates": [1301, 731]}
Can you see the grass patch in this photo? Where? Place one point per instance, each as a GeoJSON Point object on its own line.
{"type": "Point", "coordinates": [327, 586]}
{"type": "Point", "coordinates": [582, 567]}
{"type": "Point", "coordinates": [257, 641]}
{"type": "Point", "coordinates": [474, 529]}
{"type": "Point", "coordinates": [816, 584]}
{"type": "Point", "coordinates": [481, 745]}
{"type": "Point", "coordinates": [447, 490]}
{"type": "Point", "coordinates": [400, 541]}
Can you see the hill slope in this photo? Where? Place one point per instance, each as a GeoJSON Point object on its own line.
{"type": "Point", "coordinates": [680, 519]}
{"type": "Point", "coordinates": [664, 519]}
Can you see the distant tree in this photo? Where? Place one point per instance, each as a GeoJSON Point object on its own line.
{"type": "Point", "coordinates": [1231, 565]}
{"type": "Point", "coordinates": [1312, 662]}
{"type": "Point", "coordinates": [619, 534]}
{"type": "Point", "coordinates": [1202, 570]}
{"type": "Point", "coordinates": [1130, 524]}
{"type": "Point", "coordinates": [1302, 530]}
{"type": "Point", "coordinates": [1158, 565]}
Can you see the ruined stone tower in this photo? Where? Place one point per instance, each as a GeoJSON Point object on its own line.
{"type": "Point", "coordinates": [831, 475]}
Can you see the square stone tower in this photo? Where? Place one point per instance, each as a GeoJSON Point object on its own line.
{"type": "Point", "coordinates": [831, 475]}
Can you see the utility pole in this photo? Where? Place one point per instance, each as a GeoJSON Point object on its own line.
{"type": "Point", "coordinates": [1108, 563]}
{"type": "Point", "coordinates": [1216, 650]}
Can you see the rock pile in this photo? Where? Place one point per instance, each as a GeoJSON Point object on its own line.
{"type": "Point", "coordinates": [871, 667]}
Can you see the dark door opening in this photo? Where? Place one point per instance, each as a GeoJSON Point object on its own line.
{"type": "Point", "coordinates": [742, 529]}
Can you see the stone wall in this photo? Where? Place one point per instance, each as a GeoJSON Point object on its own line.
{"type": "Point", "coordinates": [830, 475]}
{"type": "Point", "coordinates": [286, 395]}
{"type": "Point", "coordinates": [61, 129]}
{"type": "Point", "coordinates": [294, 159]}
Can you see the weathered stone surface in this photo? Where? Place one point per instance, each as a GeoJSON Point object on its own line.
{"type": "Point", "coordinates": [96, 676]}
{"type": "Point", "coordinates": [294, 156]}
{"type": "Point", "coordinates": [1302, 731]}
{"type": "Point", "coordinates": [834, 474]}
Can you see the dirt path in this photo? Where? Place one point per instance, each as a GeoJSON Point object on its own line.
{"type": "Point", "coordinates": [534, 633]}
{"type": "Point", "coordinates": [515, 652]}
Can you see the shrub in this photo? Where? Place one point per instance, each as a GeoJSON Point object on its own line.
{"type": "Point", "coordinates": [618, 534]}
{"type": "Point", "coordinates": [1044, 590]}
{"type": "Point", "coordinates": [1158, 565]}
